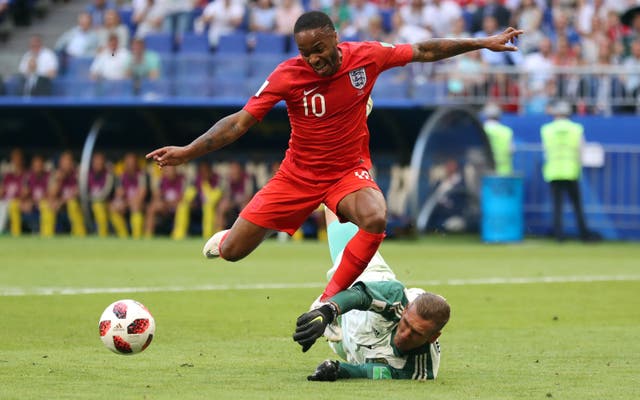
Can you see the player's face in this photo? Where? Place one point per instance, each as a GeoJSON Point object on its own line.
{"type": "Point", "coordinates": [319, 48]}
{"type": "Point", "coordinates": [413, 331]}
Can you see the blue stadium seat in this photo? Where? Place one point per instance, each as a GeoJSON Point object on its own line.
{"type": "Point", "coordinates": [167, 66]}
{"type": "Point", "coordinates": [157, 89]}
{"type": "Point", "coordinates": [197, 88]}
{"type": "Point", "coordinates": [194, 43]}
{"type": "Point", "coordinates": [160, 42]}
{"type": "Point", "coordinates": [387, 18]}
{"type": "Point", "coordinates": [232, 43]}
{"type": "Point", "coordinates": [230, 65]}
{"type": "Point", "coordinates": [429, 92]}
{"type": "Point", "coordinates": [270, 43]}
{"type": "Point", "coordinates": [78, 67]}
{"type": "Point", "coordinates": [12, 86]}
{"type": "Point", "coordinates": [229, 88]}
{"type": "Point", "coordinates": [120, 89]}
{"type": "Point", "coordinates": [193, 65]}
{"type": "Point", "coordinates": [261, 65]}
{"type": "Point", "coordinates": [292, 46]}
{"type": "Point", "coordinates": [77, 88]}
{"type": "Point", "coordinates": [390, 89]}
{"type": "Point", "coordinates": [126, 17]}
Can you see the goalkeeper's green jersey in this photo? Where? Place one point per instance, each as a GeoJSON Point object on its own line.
{"type": "Point", "coordinates": [368, 328]}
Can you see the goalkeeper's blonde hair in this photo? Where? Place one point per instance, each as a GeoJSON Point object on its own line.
{"type": "Point", "coordinates": [433, 307]}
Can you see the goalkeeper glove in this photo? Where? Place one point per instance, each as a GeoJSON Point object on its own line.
{"type": "Point", "coordinates": [327, 371]}
{"type": "Point", "coordinates": [311, 325]}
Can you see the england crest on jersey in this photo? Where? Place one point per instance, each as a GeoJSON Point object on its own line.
{"type": "Point", "coordinates": [358, 78]}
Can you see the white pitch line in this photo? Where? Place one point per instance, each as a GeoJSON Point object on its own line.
{"type": "Point", "coordinates": [68, 291]}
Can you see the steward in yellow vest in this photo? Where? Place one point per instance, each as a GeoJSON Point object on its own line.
{"type": "Point", "coordinates": [500, 138]}
{"type": "Point", "coordinates": [562, 141]}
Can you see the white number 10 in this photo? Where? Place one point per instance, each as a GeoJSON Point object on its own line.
{"type": "Point", "coordinates": [318, 107]}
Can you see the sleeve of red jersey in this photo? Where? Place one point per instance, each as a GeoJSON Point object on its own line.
{"type": "Point", "coordinates": [391, 55]}
{"type": "Point", "coordinates": [268, 95]}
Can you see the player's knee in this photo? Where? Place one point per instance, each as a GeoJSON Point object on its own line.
{"type": "Point", "coordinates": [374, 221]}
{"type": "Point", "coordinates": [231, 252]}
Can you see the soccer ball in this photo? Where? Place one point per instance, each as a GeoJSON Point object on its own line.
{"type": "Point", "coordinates": [126, 327]}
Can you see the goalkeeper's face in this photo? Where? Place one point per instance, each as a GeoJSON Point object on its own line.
{"type": "Point", "coordinates": [413, 331]}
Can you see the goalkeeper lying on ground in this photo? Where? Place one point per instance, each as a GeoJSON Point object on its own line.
{"type": "Point", "coordinates": [382, 329]}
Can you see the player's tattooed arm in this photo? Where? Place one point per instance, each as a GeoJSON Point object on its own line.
{"type": "Point", "coordinates": [224, 132]}
{"type": "Point", "coordinates": [438, 49]}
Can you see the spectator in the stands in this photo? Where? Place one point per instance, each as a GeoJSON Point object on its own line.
{"type": "Point", "coordinates": [79, 41]}
{"type": "Point", "coordinates": [361, 12]}
{"type": "Point", "coordinates": [631, 78]}
{"type": "Point", "coordinates": [177, 18]}
{"type": "Point", "coordinates": [562, 27]}
{"type": "Point", "coordinates": [408, 32]}
{"type": "Point", "coordinates": [528, 17]}
{"type": "Point", "coordinates": [490, 8]}
{"type": "Point", "coordinates": [538, 66]}
{"type": "Point", "coordinates": [412, 14]}
{"type": "Point", "coordinates": [144, 63]}
{"type": "Point", "coordinates": [33, 84]}
{"type": "Point", "coordinates": [262, 16]}
{"type": "Point", "coordinates": [46, 62]}
{"type": "Point", "coordinates": [490, 27]}
{"type": "Point", "coordinates": [113, 26]}
{"type": "Point", "coordinates": [148, 17]}
{"type": "Point", "coordinates": [98, 9]}
{"type": "Point", "coordinates": [222, 17]}
{"type": "Point", "coordinates": [440, 15]}
{"type": "Point", "coordinates": [338, 10]}
{"type": "Point", "coordinates": [112, 62]}
{"type": "Point", "coordinates": [467, 75]}
{"type": "Point", "coordinates": [287, 12]}
{"type": "Point", "coordinates": [458, 29]}
{"type": "Point", "coordinates": [375, 31]}
{"type": "Point", "coordinates": [6, 24]}
{"type": "Point", "coordinates": [589, 41]}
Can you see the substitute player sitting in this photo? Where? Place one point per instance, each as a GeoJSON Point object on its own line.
{"type": "Point", "coordinates": [380, 328]}
{"type": "Point", "coordinates": [326, 89]}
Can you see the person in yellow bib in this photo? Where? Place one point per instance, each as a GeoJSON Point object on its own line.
{"type": "Point", "coordinates": [562, 142]}
{"type": "Point", "coordinates": [500, 139]}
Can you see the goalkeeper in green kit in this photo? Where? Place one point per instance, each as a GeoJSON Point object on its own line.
{"type": "Point", "coordinates": [380, 328]}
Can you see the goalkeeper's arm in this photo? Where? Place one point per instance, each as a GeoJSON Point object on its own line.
{"type": "Point", "coordinates": [330, 370]}
{"type": "Point", "coordinates": [311, 325]}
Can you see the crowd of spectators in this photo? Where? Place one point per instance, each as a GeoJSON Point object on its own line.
{"type": "Point", "coordinates": [128, 197]}
{"type": "Point", "coordinates": [562, 36]}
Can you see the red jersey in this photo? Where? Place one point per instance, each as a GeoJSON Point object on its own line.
{"type": "Point", "coordinates": [329, 134]}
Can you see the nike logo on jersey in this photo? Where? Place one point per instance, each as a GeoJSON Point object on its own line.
{"type": "Point", "coordinates": [306, 92]}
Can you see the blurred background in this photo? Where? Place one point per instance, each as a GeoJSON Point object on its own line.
{"type": "Point", "coordinates": [90, 86]}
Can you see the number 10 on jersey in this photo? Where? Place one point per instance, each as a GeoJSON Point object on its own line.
{"type": "Point", "coordinates": [317, 103]}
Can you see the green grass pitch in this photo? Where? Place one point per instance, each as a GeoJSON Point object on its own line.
{"type": "Point", "coordinates": [535, 320]}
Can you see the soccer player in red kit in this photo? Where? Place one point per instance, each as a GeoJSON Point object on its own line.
{"type": "Point", "coordinates": [326, 89]}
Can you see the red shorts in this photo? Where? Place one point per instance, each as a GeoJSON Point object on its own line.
{"type": "Point", "coordinates": [286, 201]}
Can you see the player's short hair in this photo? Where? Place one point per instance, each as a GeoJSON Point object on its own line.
{"type": "Point", "coordinates": [313, 20]}
{"type": "Point", "coordinates": [433, 307]}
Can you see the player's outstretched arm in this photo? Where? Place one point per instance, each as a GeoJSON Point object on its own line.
{"type": "Point", "coordinates": [438, 49]}
{"type": "Point", "coordinates": [224, 132]}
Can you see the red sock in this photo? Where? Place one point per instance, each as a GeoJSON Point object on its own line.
{"type": "Point", "coordinates": [355, 258]}
{"type": "Point", "coordinates": [222, 241]}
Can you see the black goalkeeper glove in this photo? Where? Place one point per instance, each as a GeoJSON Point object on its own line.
{"type": "Point", "coordinates": [311, 325]}
{"type": "Point", "coordinates": [327, 371]}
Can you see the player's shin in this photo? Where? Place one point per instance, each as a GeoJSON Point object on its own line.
{"type": "Point", "coordinates": [355, 258]}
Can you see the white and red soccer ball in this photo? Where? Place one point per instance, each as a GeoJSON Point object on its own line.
{"type": "Point", "coordinates": [126, 327]}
